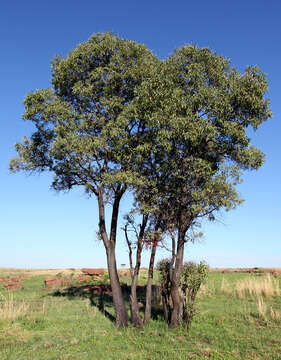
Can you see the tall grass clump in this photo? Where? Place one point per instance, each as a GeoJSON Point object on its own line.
{"type": "Point", "coordinates": [275, 314]}
{"type": "Point", "coordinates": [11, 309]}
{"type": "Point", "coordinates": [262, 307]}
{"type": "Point", "coordinates": [263, 310]}
{"type": "Point", "coordinates": [266, 286]}
{"type": "Point", "coordinates": [226, 287]}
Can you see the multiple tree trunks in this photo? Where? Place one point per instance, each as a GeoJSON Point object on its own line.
{"type": "Point", "coordinates": [52, 282]}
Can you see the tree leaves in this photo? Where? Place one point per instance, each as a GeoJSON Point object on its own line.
{"type": "Point", "coordinates": [173, 130]}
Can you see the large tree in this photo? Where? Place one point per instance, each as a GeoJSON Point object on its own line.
{"type": "Point", "coordinates": [87, 133]}
{"type": "Point", "coordinates": [200, 142]}
{"type": "Point", "coordinates": [174, 131]}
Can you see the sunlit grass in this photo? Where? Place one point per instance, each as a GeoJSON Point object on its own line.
{"type": "Point", "coordinates": [64, 327]}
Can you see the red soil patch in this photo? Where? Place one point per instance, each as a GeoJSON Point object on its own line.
{"type": "Point", "coordinates": [92, 271]}
{"type": "Point", "coordinates": [13, 286]}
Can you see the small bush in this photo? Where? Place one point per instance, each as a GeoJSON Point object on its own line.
{"type": "Point", "coordinates": [165, 284]}
{"type": "Point", "coordinates": [193, 275]}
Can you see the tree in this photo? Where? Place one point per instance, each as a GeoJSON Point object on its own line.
{"type": "Point", "coordinates": [87, 133]}
{"type": "Point", "coordinates": [200, 145]}
{"type": "Point", "coordinates": [173, 131]}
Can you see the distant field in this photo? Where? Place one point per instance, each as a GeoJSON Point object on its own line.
{"type": "Point", "coordinates": [33, 272]}
{"type": "Point", "coordinates": [15, 271]}
{"type": "Point", "coordinates": [239, 318]}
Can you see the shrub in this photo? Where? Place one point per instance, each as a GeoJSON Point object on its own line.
{"type": "Point", "coordinates": [165, 283]}
{"type": "Point", "coordinates": [193, 275]}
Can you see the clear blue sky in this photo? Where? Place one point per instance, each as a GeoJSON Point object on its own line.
{"type": "Point", "coordinates": [42, 229]}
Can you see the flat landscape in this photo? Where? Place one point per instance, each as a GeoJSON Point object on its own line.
{"type": "Point", "coordinates": [239, 317]}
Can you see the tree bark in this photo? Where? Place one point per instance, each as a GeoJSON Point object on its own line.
{"type": "Point", "coordinates": [147, 314]}
{"type": "Point", "coordinates": [177, 300]}
{"type": "Point", "coordinates": [109, 243]}
{"type": "Point", "coordinates": [166, 307]}
{"type": "Point", "coordinates": [118, 299]}
{"type": "Point", "coordinates": [135, 314]}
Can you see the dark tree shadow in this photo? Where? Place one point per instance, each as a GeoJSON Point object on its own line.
{"type": "Point", "coordinates": [99, 300]}
{"type": "Point", "coordinates": [100, 296]}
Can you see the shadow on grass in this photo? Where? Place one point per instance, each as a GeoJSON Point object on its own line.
{"type": "Point", "coordinates": [100, 296]}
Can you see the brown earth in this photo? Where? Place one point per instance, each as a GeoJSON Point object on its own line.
{"type": "Point", "coordinates": [13, 286]}
{"type": "Point", "coordinates": [88, 271]}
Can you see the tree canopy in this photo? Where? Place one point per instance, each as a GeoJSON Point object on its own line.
{"type": "Point", "coordinates": [173, 131]}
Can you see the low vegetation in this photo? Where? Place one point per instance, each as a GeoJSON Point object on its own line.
{"type": "Point", "coordinates": [57, 323]}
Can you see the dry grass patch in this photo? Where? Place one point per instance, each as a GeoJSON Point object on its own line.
{"type": "Point", "coordinates": [226, 287]}
{"type": "Point", "coordinates": [207, 289]}
{"type": "Point", "coordinates": [11, 309]}
{"type": "Point", "coordinates": [35, 272]}
{"type": "Point", "coordinates": [275, 314]}
{"type": "Point", "coordinates": [266, 286]}
{"type": "Point", "coordinates": [262, 307]}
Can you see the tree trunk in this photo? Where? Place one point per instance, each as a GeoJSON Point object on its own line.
{"type": "Point", "coordinates": [109, 243]}
{"type": "Point", "coordinates": [118, 300]}
{"type": "Point", "coordinates": [147, 314]}
{"type": "Point", "coordinates": [166, 307]}
{"type": "Point", "coordinates": [135, 313]}
{"type": "Point", "coordinates": [177, 312]}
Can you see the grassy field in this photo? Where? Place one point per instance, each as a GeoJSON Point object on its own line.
{"type": "Point", "coordinates": [239, 318]}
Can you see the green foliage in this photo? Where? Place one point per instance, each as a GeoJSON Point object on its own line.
{"type": "Point", "coordinates": [193, 275]}
{"type": "Point", "coordinates": [201, 111]}
{"type": "Point", "coordinates": [87, 132]}
{"type": "Point", "coordinates": [105, 278]}
{"type": "Point", "coordinates": [163, 267]}
{"type": "Point", "coordinates": [175, 128]}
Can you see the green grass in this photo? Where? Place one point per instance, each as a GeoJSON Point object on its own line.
{"type": "Point", "coordinates": [70, 327]}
